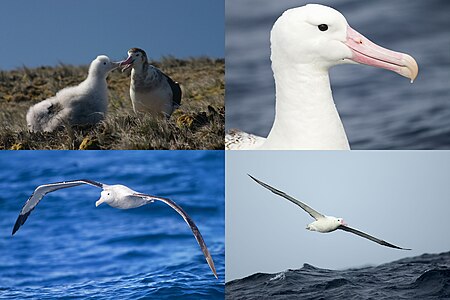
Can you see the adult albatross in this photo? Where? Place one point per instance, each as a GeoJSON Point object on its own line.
{"type": "Point", "coordinates": [322, 223]}
{"type": "Point", "coordinates": [305, 42]}
{"type": "Point", "coordinates": [118, 196]}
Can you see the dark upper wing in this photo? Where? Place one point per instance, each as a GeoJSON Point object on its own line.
{"type": "Point", "coordinates": [41, 191]}
{"type": "Point", "coordinates": [191, 224]}
{"type": "Point", "coordinates": [367, 236]}
{"type": "Point", "coordinates": [313, 213]}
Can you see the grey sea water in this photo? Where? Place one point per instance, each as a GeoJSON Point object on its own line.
{"type": "Point", "coordinates": [379, 109]}
{"type": "Point", "coordinates": [422, 277]}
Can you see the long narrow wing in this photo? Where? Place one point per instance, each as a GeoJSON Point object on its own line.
{"type": "Point", "coordinates": [191, 224]}
{"type": "Point", "coordinates": [367, 236]}
{"type": "Point", "coordinates": [41, 191]}
{"type": "Point", "coordinates": [313, 213]}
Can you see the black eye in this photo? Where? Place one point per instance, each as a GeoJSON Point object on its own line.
{"type": "Point", "coordinates": [104, 63]}
{"type": "Point", "coordinates": [323, 27]}
{"type": "Point", "coordinates": [137, 54]}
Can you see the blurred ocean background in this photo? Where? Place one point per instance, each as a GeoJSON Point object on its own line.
{"type": "Point", "coordinates": [68, 248]}
{"type": "Point", "coordinates": [422, 277]}
{"type": "Point", "coordinates": [379, 109]}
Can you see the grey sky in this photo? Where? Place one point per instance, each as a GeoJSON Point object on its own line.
{"type": "Point", "coordinates": [402, 197]}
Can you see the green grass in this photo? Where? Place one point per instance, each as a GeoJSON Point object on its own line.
{"type": "Point", "coordinates": [197, 124]}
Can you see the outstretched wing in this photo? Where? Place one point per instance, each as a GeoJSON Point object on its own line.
{"type": "Point", "coordinates": [191, 224]}
{"type": "Point", "coordinates": [367, 236]}
{"type": "Point", "coordinates": [41, 191]}
{"type": "Point", "coordinates": [313, 213]}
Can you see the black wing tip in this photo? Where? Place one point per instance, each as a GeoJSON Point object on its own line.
{"type": "Point", "coordinates": [253, 178]}
{"type": "Point", "coordinates": [20, 221]}
{"type": "Point", "coordinates": [400, 248]}
{"type": "Point", "coordinates": [93, 182]}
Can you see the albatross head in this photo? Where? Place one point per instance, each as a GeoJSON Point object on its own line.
{"type": "Point", "coordinates": [136, 57]}
{"type": "Point", "coordinates": [106, 196]}
{"type": "Point", "coordinates": [334, 223]}
{"type": "Point", "coordinates": [320, 36]}
{"type": "Point", "coordinates": [341, 221]}
{"type": "Point", "coordinates": [102, 65]}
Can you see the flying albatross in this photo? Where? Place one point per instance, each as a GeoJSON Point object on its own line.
{"type": "Point", "coordinates": [305, 42]}
{"type": "Point", "coordinates": [324, 223]}
{"type": "Point", "coordinates": [118, 196]}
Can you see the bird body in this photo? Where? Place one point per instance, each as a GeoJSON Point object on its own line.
{"type": "Point", "coordinates": [325, 225]}
{"type": "Point", "coordinates": [151, 91]}
{"type": "Point", "coordinates": [305, 43]}
{"type": "Point", "coordinates": [120, 196]}
{"type": "Point", "coordinates": [84, 104]}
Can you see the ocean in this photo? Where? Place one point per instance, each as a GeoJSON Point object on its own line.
{"type": "Point", "coordinates": [379, 109]}
{"type": "Point", "coordinates": [68, 248]}
{"type": "Point", "coordinates": [422, 277]}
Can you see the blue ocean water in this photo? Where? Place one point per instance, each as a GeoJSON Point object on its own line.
{"type": "Point", "coordinates": [70, 248]}
{"type": "Point", "coordinates": [422, 277]}
{"type": "Point", "coordinates": [379, 109]}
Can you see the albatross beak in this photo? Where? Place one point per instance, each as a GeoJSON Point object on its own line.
{"type": "Point", "coordinates": [98, 202]}
{"type": "Point", "coordinates": [127, 63]}
{"type": "Point", "coordinates": [366, 52]}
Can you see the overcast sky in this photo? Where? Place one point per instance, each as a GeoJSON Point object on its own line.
{"type": "Point", "coordinates": [47, 32]}
{"type": "Point", "coordinates": [402, 197]}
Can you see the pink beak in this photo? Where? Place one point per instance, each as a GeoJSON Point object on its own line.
{"type": "Point", "coordinates": [368, 53]}
{"type": "Point", "coordinates": [127, 63]}
{"type": "Point", "coordinates": [343, 223]}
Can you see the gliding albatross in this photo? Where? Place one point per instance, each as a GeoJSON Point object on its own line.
{"type": "Point", "coordinates": [324, 223]}
{"type": "Point", "coordinates": [118, 196]}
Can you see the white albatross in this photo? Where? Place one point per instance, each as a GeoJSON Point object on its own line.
{"type": "Point", "coordinates": [151, 91]}
{"type": "Point", "coordinates": [84, 104]}
{"type": "Point", "coordinates": [322, 223]}
{"type": "Point", "coordinates": [118, 196]}
{"type": "Point", "coordinates": [305, 42]}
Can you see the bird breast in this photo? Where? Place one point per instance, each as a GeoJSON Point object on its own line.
{"type": "Point", "coordinates": [322, 225]}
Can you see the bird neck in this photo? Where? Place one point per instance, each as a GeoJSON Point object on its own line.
{"type": "Point", "coordinates": [306, 116]}
{"type": "Point", "coordinates": [140, 69]}
{"type": "Point", "coordinates": [95, 79]}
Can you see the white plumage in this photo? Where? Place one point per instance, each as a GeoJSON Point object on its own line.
{"type": "Point", "coordinates": [84, 104]}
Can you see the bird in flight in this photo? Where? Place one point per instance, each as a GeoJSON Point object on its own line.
{"type": "Point", "coordinates": [324, 223]}
{"type": "Point", "coordinates": [117, 196]}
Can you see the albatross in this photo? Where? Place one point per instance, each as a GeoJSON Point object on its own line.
{"type": "Point", "coordinates": [117, 196]}
{"type": "Point", "coordinates": [84, 104]}
{"type": "Point", "coordinates": [151, 90]}
{"type": "Point", "coordinates": [322, 223]}
{"type": "Point", "coordinates": [305, 42]}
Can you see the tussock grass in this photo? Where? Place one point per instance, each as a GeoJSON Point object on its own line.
{"type": "Point", "coordinates": [197, 124]}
